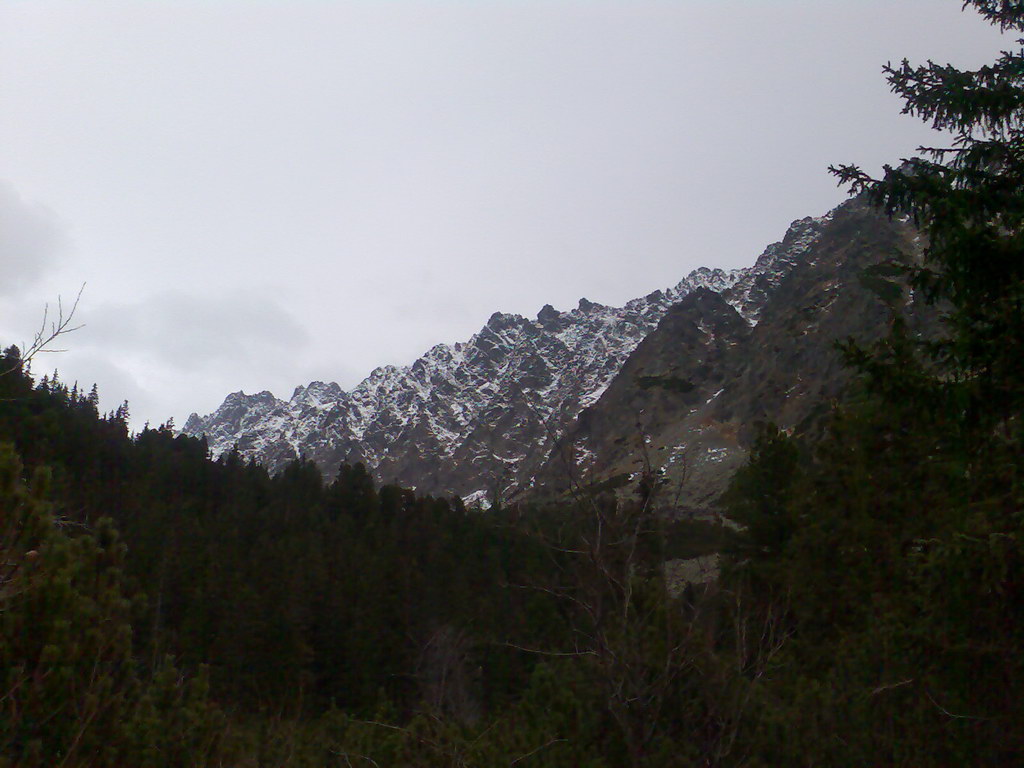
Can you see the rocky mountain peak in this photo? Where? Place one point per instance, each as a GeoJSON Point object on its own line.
{"type": "Point", "coordinates": [482, 413]}
{"type": "Point", "coordinates": [686, 402]}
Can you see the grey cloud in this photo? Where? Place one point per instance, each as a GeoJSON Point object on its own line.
{"type": "Point", "coordinates": [31, 238]}
{"type": "Point", "coordinates": [172, 352]}
{"type": "Point", "coordinates": [80, 366]}
{"type": "Point", "coordinates": [191, 333]}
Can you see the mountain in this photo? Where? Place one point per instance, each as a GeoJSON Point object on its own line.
{"type": "Point", "coordinates": [484, 415]}
{"type": "Point", "coordinates": [686, 402]}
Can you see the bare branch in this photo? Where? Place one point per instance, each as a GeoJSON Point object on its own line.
{"type": "Point", "coordinates": [533, 752]}
{"type": "Point", "coordinates": [883, 688]}
{"type": "Point", "coordinates": [542, 652]}
{"type": "Point", "coordinates": [49, 331]}
{"type": "Point", "coordinates": [947, 713]}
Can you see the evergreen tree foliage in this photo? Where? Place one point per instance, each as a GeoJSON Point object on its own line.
{"type": "Point", "coordinates": [71, 694]}
{"type": "Point", "coordinates": [968, 198]}
{"type": "Point", "coordinates": [761, 493]}
{"type": "Point", "coordinates": [902, 564]}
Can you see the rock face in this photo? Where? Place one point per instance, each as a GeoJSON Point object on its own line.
{"type": "Point", "coordinates": [686, 401]}
{"type": "Point", "coordinates": [484, 416]}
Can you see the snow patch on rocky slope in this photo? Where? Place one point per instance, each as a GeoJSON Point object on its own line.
{"type": "Point", "coordinates": [485, 410]}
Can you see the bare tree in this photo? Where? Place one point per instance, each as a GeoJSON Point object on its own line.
{"type": "Point", "coordinates": [52, 327]}
{"type": "Point", "coordinates": [665, 664]}
{"type": "Point", "coordinates": [755, 632]}
{"type": "Point", "coordinates": [622, 627]}
{"type": "Point", "coordinates": [446, 675]}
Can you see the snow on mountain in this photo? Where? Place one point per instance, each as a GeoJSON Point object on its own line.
{"type": "Point", "coordinates": [687, 403]}
{"type": "Point", "coordinates": [473, 416]}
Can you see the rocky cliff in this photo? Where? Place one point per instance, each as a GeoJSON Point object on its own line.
{"type": "Point", "coordinates": [483, 416]}
{"type": "Point", "coordinates": [686, 401]}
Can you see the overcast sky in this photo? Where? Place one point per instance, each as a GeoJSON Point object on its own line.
{"type": "Point", "coordinates": [259, 194]}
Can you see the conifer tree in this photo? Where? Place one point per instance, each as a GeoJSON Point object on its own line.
{"type": "Point", "coordinates": [968, 198]}
{"type": "Point", "coordinates": [908, 573]}
{"type": "Point", "coordinates": [903, 560]}
{"type": "Point", "coordinates": [70, 694]}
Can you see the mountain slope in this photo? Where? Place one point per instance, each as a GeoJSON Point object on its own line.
{"type": "Point", "coordinates": [687, 400]}
{"type": "Point", "coordinates": [475, 416]}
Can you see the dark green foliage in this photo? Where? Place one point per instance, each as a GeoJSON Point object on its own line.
{"type": "Point", "coordinates": [879, 280]}
{"type": "Point", "coordinates": [761, 494]}
{"type": "Point", "coordinates": [900, 557]}
{"type": "Point", "coordinates": [297, 594]}
{"type": "Point", "coordinates": [71, 693]}
{"type": "Point", "coordinates": [688, 538]}
{"type": "Point", "coordinates": [340, 619]}
{"type": "Point", "coordinates": [615, 481]}
{"type": "Point", "coordinates": [967, 199]}
{"type": "Point", "coordinates": [669, 383]}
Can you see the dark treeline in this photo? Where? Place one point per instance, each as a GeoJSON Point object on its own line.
{"type": "Point", "coordinates": [298, 595]}
{"type": "Point", "coordinates": [158, 608]}
{"type": "Point", "coordinates": [285, 620]}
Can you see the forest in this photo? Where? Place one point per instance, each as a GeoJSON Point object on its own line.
{"type": "Point", "coordinates": [160, 608]}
